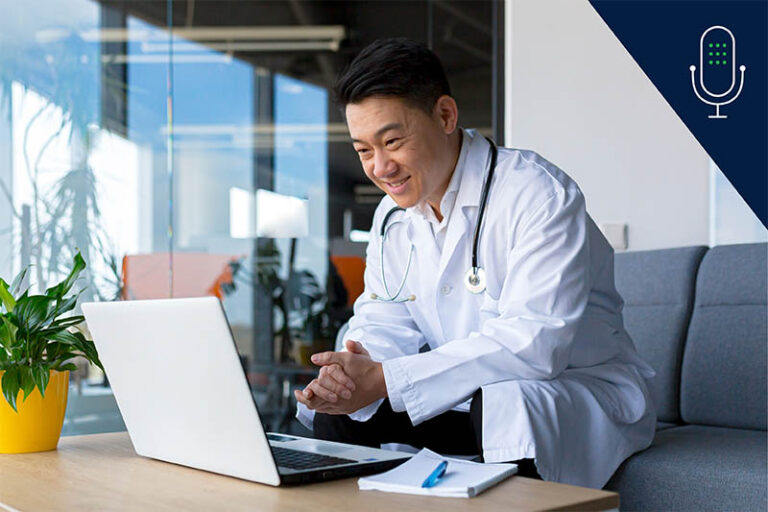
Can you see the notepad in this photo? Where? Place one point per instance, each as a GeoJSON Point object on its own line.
{"type": "Point", "coordinates": [462, 479]}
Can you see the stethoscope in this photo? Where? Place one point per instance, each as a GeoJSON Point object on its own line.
{"type": "Point", "coordinates": [474, 279]}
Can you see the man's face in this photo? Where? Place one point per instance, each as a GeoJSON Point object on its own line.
{"type": "Point", "coordinates": [403, 150]}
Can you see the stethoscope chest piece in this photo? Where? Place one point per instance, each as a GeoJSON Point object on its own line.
{"type": "Point", "coordinates": [474, 280]}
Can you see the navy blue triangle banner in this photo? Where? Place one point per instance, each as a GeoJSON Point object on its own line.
{"type": "Point", "coordinates": [708, 59]}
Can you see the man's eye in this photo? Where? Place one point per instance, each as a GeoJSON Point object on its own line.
{"type": "Point", "coordinates": [362, 152]}
{"type": "Point", "coordinates": [391, 142]}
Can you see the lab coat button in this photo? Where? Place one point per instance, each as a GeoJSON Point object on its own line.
{"type": "Point", "coordinates": [446, 289]}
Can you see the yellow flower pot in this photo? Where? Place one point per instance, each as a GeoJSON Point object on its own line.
{"type": "Point", "coordinates": [37, 425]}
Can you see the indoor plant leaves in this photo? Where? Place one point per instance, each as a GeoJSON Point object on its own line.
{"type": "Point", "coordinates": [34, 336]}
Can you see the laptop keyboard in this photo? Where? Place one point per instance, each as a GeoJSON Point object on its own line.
{"type": "Point", "coordinates": [295, 459]}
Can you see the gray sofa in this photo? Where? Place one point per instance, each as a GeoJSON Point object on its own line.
{"type": "Point", "coordinates": [698, 316]}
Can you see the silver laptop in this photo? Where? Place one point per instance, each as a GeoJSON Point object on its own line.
{"type": "Point", "coordinates": [184, 397]}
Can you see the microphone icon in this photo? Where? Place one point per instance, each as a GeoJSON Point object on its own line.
{"type": "Point", "coordinates": [717, 53]}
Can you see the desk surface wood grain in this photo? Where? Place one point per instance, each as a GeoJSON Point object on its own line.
{"type": "Point", "coordinates": [102, 472]}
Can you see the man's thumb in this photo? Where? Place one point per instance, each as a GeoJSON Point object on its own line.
{"type": "Point", "coordinates": [355, 347]}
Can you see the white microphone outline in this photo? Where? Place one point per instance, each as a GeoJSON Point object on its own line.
{"type": "Point", "coordinates": [701, 74]}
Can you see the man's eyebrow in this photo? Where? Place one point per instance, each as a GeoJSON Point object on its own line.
{"type": "Point", "coordinates": [381, 131]}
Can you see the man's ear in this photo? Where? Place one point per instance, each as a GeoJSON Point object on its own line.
{"type": "Point", "coordinates": [447, 113]}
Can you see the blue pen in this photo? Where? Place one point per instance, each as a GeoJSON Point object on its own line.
{"type": "Point", "coordinates": [433, 478]}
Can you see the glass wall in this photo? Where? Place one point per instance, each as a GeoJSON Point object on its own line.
{"type": "Point", "coordinates": [145, 134]}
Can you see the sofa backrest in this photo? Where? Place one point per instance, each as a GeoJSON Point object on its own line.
{"type": "Point", "coordinates": [658, 287]}
{"type": "Point", "coordinates": [723, 379]}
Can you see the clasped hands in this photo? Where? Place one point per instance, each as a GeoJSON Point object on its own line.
{"type": "Point", "coordinates": [348, 381]}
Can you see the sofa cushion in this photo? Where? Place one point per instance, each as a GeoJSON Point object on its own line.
{"type": "Point", "coordinates": [658, 287]}
{"type": "Point", "coordinates": [696, 468]}
{"type": "Point", "coordinates": [723, 378]}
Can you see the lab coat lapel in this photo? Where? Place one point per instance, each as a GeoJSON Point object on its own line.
{"type": "Point", "coordinates": [422, 285]}
{"type": "Point", "coordinates": [467, 201]}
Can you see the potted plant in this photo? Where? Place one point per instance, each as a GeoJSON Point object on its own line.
{"type": "Point", "coordinates": [37, 342]}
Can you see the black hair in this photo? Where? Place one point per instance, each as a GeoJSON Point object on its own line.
{"type": "Point", "coordinates": [397, 67]}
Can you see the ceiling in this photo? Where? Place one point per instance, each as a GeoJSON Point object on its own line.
{"type": "Point", "coordinates": [460, 32]}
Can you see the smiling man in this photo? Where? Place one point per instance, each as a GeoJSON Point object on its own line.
{"type": "Point", "coordinates": [504, 337]}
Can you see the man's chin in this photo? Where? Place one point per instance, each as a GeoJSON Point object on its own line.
{"type": "Point", "coordinates": [403, 202]}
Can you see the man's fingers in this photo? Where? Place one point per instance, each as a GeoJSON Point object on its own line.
{"type": "Point", "coordinates": [356, 347]}
{"type": "Point", "coordinates": [311, 403]}
{"type": "Point", "coordinates": [319, 405]}
{"type": "Point", "coordinates": [329, 382]}
{"type": "Point", "coordinates": [322, 392]}
{"type": "Point", "coordinates": [339, 375]}
{"type": "Point", "coordinates": [299, 395]}
{"type": "Point", "coordinates": [324, 358]}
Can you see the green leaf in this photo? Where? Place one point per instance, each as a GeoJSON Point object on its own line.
{"type": "Point", "coordinates": [33, 312]}
{"type": "Point", "coordinates": [5, 296]}
{"type": "Point", "coordinates": [53, 349]}
{"type": "Point", "coordinates": [63, 358]}
{"type": "Point", "coordinates": [67, 304]}
{"type": "Point", "coordinates": [69, 366]}
{"type": "Point", "coordinates": [65, 337]}
{"type": "Point", "coordinates": [63, 287]}
{"type": "Point", "coordinates": [26, 380]}
{"type": "Point", "coordinates": [62, 324]}
{"type": "Point", "coordinates": [18, 280]}
{"type": "Point", "coordinates": [79, 343]}
{"type": "Point", "coordinates": [41, 374]}
{"type": "Point", "coordinates": [10, 385]}
{"type": "Point", "coordinates": [7, 332]}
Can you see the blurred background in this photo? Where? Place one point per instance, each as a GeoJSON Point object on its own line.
{"type": "Point", "coordinates": [147, 133]}
{"type": "Point", "coordinates": [141, 131]}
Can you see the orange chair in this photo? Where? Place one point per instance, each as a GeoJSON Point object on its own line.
{"type": "Point", "coordinates": [351, 270]}
{"type": "Point", "coordinates": [145, 276]}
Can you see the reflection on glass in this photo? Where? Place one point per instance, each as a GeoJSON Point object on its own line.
{"type": "Point", "coordinates": [69, 183]}
{"type": "Point", "coordinates": [301, 169]}
{"type": "Point", "coordinates": [122, 137]}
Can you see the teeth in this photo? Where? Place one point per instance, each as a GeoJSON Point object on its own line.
{"type": "Point", "coordinates": [398, 183]}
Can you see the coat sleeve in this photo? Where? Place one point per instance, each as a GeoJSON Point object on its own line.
{"type": "Point", "coordinates": [544, 293]}
{"type": "Point", "coordinates": [386, 329]}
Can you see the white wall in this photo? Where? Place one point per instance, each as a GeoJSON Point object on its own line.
{"type": "Point", "coordinates": [575, 95]}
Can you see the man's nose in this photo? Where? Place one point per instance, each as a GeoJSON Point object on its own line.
{"type": "Point", "coordinates": [383, 165]}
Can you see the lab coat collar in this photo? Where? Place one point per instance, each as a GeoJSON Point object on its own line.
{"type": "Point", "coordinates": [473, 159]}
{"type": "Point", "coordinates": [468, 198]}
{"type": "Point", "coordinates": [471, 165]}
{"type": "Point", "coordinates": [475, 166]}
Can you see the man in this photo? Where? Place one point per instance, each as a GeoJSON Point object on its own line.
{"type": "Point", "coordinates": [533, 364]}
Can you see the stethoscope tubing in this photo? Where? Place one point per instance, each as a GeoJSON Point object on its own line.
{"type": "Point", "coordinates": [484, 200]}
{"type": "Point", "coordinates": [475, 269]}
{"type": "Point", "coordinates": [390, 297]}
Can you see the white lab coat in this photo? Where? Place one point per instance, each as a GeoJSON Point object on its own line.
{"type": "Point", "coordinates": [561, 380]}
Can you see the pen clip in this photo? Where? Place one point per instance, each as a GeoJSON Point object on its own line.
{"type": "Point", "coordinates": [435, 476]}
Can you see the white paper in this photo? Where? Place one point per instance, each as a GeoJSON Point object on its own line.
{"type": "Point", "coordinates": [462, 479]}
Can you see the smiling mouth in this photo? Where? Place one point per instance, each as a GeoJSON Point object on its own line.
{"type": "Point", "coordinates": [396, 184]}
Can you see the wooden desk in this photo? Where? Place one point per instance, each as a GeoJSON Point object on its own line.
{"type": "Point", "coordinates": [102, 472]}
